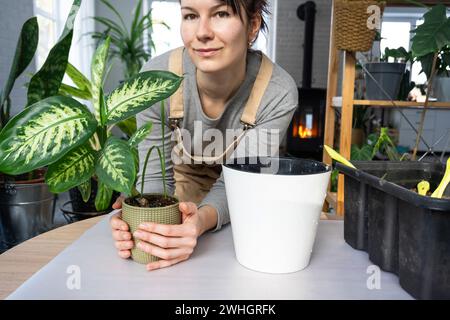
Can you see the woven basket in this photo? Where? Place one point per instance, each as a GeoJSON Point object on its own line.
{"type": "Point", "coordinates": [351, 31]}
{"type": "Point", "coordinates": [134, 216]}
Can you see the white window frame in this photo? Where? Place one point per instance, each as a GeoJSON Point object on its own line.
{"type": "Point", "coordinates": [83, 46]}
{"type": "Point", "coordinates": [408, 15]}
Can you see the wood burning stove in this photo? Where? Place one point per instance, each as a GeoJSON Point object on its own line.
{"type": "Point", "coordinates": [306, 132]}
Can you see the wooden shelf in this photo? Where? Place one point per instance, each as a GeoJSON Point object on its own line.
{"type": "Point", "coordinates": [337, 103]}
{"type": "Point", "coordinates": [346, 103]}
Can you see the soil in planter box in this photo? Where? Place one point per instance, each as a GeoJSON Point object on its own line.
{"type": "Point", "coordinates": [429, 193]}
{"type": "Point", "coordinates": [151, 201]}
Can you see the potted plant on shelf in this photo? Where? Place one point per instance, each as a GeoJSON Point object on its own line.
{"type": "Point", "coordinates": [63, 134]}
{"type": "Point", "coordinates": [442, 81]}
{"type": "Point", "coordinates": [387, 74]}
{"type": "Point", "coordinates": [27, 205]}
{"type": "Point", "coordinates": [159, 208]}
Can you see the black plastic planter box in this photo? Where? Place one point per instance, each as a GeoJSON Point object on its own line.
{"type": "Point", "coordinates": [402, 231]}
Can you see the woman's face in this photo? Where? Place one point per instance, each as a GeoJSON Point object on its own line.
{"type": "Point", "coordinates": [214, 36]}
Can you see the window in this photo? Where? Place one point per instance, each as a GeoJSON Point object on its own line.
{"type": "Point", "coordinates": [395, 31]}
{"type": "Point", "coordinates": [169, 12]}
{"type": "Point", "coordinates": [163, 38]}
{"type": "Point", "coordinates": [52, 15]}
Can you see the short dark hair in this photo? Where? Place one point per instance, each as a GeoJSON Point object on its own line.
{"type": "Point", "coordinates": [252, 8]}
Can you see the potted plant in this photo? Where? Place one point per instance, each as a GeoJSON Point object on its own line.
{"type": "Point", "coordinates": [127, 45]}
{"type": "Point", "coordinates": [442, 81]}
{"type": "Point", "coordinates": [159, 208]}
{"type": "Point", "coordinates": [403, 231]}
{"type": "Point", "coordinates": [387, 74]}
{"type": "Point", "coordinates": [275, 205]}
{"type": "Point", "coordinates": [83, 203]}
{"type": "Point", "coordinates": [27, 205]}
{"type": "Point", "coordinates": [75, 143]}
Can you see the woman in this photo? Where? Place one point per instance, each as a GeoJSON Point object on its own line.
{"type": "Point", "coordinates": [222, 78]}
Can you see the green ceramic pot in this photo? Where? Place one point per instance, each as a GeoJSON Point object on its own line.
{"type": "Point", "coordinates": [134, 216]}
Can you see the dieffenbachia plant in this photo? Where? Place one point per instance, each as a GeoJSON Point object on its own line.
{"type": "Point", "coordinates": [75, 143]}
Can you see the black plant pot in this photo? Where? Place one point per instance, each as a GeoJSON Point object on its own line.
{"type": "Point", "coordinates": [402, 231]}
{"type": "Point", "coordinates": [388, 75]}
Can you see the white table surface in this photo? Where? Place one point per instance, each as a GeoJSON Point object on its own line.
{"type": "Point", "coordinates": [336, 271]}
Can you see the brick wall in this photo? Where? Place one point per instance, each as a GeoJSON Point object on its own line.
{"type": "Point", "coordinates": [289, 42]}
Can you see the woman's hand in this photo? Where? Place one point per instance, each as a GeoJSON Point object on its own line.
{"type": "Point", "coordinates": [171, 243]}
{"type": "Point", "coordinates": [120, 232]}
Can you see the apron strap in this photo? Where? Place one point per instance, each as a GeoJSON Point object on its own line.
{"type": "Point", "coordinates": [176, 100]}
{"type": "Point", "coordinates": [248, 118]}
{"type": "Point", "coordinates": [254, 101]}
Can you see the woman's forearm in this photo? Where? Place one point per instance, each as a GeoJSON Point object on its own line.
{"type": "Point", "coordinates": [208, 218]}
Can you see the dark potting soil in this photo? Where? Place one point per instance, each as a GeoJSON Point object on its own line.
{"type": "Point", "coordinates": [151, 201]}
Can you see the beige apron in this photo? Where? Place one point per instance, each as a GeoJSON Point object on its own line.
{"type": "Point", "coordinates": [193, 181]}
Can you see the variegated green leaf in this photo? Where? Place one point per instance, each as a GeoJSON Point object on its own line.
{"type": "Point", "coordinates": [103, 197]}
{"type": "Point", "coordinates": [128, 126]}
{"type": "Point", "coordinates": [103, 108]}
{"type": "Point", "coordinates": [41, 135]}
{"type": "Point", "coordinates": [102, 130]}
{"type": "Point", "coordinates": [25, 49]}
{"type": "Point", "coordinates": [116, 166]}
{"type": "Point", "coordinates": [140, 134]}
{"type": "Point", "coordinates": [140, 93]}
{"type": "Point", "coordinates": [97, 73]}
{"type": "Point", "coordinates": [69, 91]}
{"type": "Point", "coordinates": [76, 166]}
{"type": "Point", "coordinates": [136, 157]}
{"type": "Point", "coordinates": [70, 21]}
{"type": "Point", "coordinates": [85, 190]}
{"type": "Point", "coordinates": [82, 83]}
{"type": "Point", "coordinates": [46, 82]}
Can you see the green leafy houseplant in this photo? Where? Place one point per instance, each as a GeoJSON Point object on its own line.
{"type": "Point", "coordinates": [158, 208]}
{"type": "Point", "coordinates": [429, 44]}
{"type": "Point", "coordinates": [75, 143]}
{"type": "Point", "coordinates": [401, 55]}
{"type": "Point", "coordinates": [376, 143]}
{"type": "Point", "coordinates": [46, 81]}
{"type": "Point", "coordinates": [128, 45]}
{"type": "Point", "coordinates": [25, 194]}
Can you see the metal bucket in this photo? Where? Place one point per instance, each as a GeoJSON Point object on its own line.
{"type": "Point", "coordinates": [26, 210]}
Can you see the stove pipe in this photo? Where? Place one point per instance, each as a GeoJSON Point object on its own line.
{"type": "Point", "coordinates": [307, 12]}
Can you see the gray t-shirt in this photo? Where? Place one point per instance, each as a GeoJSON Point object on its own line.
{"type": "Point", "coordinates": [275, 113]}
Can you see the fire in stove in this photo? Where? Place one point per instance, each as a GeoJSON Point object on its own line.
{"type": "Point", "coordinates": [304, 128]}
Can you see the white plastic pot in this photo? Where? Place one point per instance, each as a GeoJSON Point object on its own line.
{"type": "Point", "coordinates": [275, 206]}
